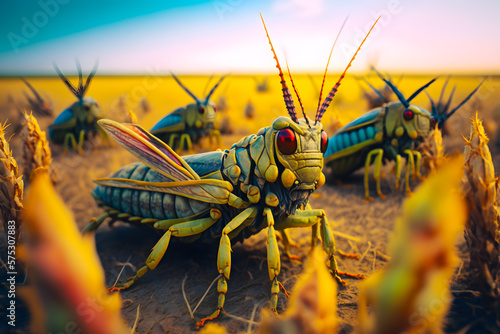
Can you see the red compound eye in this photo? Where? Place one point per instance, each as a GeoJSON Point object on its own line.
{"type": "Point", "coordinates": [433, 123]}
{"type": "Point", "coordinates": [287, 142]}
{"type": "Point", "coordinates": [201, 110]}
{"type": "Point", "coordinates": [324, 141]}
{"type": "Point", "coordinates": [215, 108]}
{"type": "Point", "coordinates": [408, 114]}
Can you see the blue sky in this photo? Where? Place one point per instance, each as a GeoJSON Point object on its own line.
{"type": "Point", "coordinates": [220, 36]}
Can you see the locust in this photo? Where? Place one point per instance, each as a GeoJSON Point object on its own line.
{"type": "Point", "coordinates": [186, 125]}
{"type": "Point", "coordinates": [388, 133]}
{"type": "Point", "coordinates": [263, 182]}
{"type": "Point", "coordinates": [80, 119]}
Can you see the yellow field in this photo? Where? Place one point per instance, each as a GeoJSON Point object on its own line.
{"type": "Point", "coordinates": [164, 95]}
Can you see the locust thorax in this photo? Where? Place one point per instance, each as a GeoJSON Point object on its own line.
{"type": "Point", "coordinates": [87, 110]}
{"type": "Point", "coordinates": [414, 121]}
{"type": "Point", "coordinates": [299, 149]}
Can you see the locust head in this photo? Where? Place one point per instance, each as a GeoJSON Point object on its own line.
{"type": "Point", "coordinates": [299, 148]}
{"type": "Point", "coordinates": [299, 145]}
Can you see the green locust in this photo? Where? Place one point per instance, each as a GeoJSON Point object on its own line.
{"type": "Point", "coordinates": [387, 134]}
{"type": "Point", "coordinates": [186, 125]}
{"type": "Point", "coordinates": [80, 119]}
{"type": "Point", "coordinates": [263, 182]}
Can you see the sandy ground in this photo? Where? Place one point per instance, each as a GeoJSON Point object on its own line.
{"type": "Point", "coordinates": [159, 294]}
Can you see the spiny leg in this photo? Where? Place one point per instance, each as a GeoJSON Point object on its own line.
{"type": "Point", "coordinates": [273, 259]}
{"type": "Point", "coordinates": [69, 136]}
{"type": "Point", "coordinates": [398, 170]}
{"type": "Point", "coordinates": [185, 138]}
{"type": "Point", "coordinates": [215, 138]}
{"type": "Point", "coordinates": [376, 171]}
{"type": "Point", "coordinates": [286, 245]}
{"type": "Point", "coordinates": [310, 217]}
{"type": "Point", "coordinates": [410, 165]}
{"type": "Point", "coordinates": [367, 166]}
{"type": "Point", "coordinates": [418, 164]}
{"type": "Point", "coordinates": [171, 140]}
{"type": "Point", "coordinates": [329, 247]}
{"type": "Point", "coordinates": [95, 223]}
{"type": "Point", "coordinates": [185, 229]}
{"type": "Point", "coordinates": [80, 141]}
{"type": "Point", "coordinates": [224, 260]}
{"type": "Point", "coordinates": [314, 235]}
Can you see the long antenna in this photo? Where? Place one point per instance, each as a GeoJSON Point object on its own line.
{"type": "Point", "coordinates": [298, 96]}
{"type": "Point", "coordinates": [214, 88]}
{"type": "Point", "coordinates": [287, 97]}
{"type": "Point", "coordinates": [334, 90]}
{"type": "Point", "coordinates": [328, 63]}
{"type": "Point", "coordinates": [185, 88]}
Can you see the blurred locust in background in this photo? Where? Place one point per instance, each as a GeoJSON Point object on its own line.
{"type": "Point", "coordinates": [386, 134]}
{"type": "Point", "coordinates": [37, 104]}
{"type": "Point", "coordinates": [186, 125]}
{"type": "Point", "coordinates": [78, 122]}
{"type": "Point", "coordinates": [262, 182]}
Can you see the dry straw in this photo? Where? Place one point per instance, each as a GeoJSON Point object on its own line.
{"type": "Point", "coordinates": [481, 232]}
{"type": "Point", "coordinates": [36, 151]}
{"type": "Point", "coordinates": [11, 186]}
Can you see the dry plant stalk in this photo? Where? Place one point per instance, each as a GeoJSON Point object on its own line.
{"type": "Point", "coordinates": [313, 303]}
{"type": "Point", "coordinates": [413, 294]}
{"type": "Point", "coordinates": [36, 151]}
{"type": "Point", "coordinates": [481, 231]}
{"type": "Point", "coordinates": [432, 151]}
{"type": "Point", "coordinates": [11, 186]}
{"type": "Point", "coordinates": [65, 270]}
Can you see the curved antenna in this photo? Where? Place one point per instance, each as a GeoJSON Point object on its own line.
{"type": "Point", "coordinates": [80, 75]}
{"type": "Point", "coordinates": [214, 88]}
{"type": "Point", "coordinates": [33, 90]}
{"type": "Point", "coordinates": [287, 97]}
{"type": "Point", "coordinates": [396, 91]}
{"type": "Point", "coordinates": [206, 85]}
{"type": "Point", "coordinates": [447, 105]}
{"type": "Point", "coordinates": [89, 79]}
{"type": "Point", "coordinates": [433, 105]}
{"type": "Point", "coordinates": [334, 90]}
{"type": "Point", "coordinates": [298, 96]}
{"type": "Point", "coordinates": [448, 115]}
{"type": "Point", "coordinates": [328, 63]}
{"type": "Point", "coordinates": [185, 88]}
{"type": "Point", "coordinates": [440, 101]}
{"type": "Point", "coordinates": [63, 78]}
{"type": "Point", "coordinates": [418, 91]}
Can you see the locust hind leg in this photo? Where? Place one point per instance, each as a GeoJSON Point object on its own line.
{"type": "Point", "coordinates": [185, 229]}
{"type": "Point", "coordinates": [224, 260]}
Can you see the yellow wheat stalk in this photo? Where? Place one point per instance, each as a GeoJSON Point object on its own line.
{"type": "Point", "coordinates": [482, 233]}
{"type": "Point", "coordinates": [11, 187]}
{"type": "Point", "coordinates": [36, 150]}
